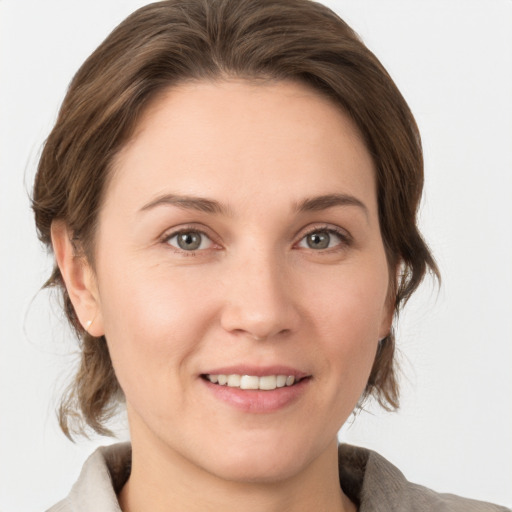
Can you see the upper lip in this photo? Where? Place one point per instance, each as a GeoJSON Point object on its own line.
{"type": "Point", "coordinates": [257, 371]}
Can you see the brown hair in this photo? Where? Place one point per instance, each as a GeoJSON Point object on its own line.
{"type": "Point", "coordinates": [169, 42]}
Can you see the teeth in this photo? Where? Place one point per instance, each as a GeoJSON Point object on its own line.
{"type": "Point", "coordinates": [249, 382]}
{"type": "Point", "coordinates": [267, 382]}
{"type": "Point", "coordinates": [234, 381]}
{"type": "Point", "coordinates": [280, 381]}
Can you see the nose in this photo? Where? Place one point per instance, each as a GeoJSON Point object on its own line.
{"type": "Point", "coordinates": [259, 300]}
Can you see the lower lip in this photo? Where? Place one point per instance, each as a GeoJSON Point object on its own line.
{"type": "Point", "coordinates": [257, 401]}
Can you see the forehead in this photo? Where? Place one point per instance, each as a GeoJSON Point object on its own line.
{"type": "Point", "coordinates": [205, 138]}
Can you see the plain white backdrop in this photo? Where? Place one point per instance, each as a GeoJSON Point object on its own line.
{"type": "Point", "coordinates": [452, 59]}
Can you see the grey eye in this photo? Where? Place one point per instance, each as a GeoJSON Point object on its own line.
{"type": "Point", "coordinates": [321, 239]}
{"type": "Point", "coordinates": [190, 241]}
{"type": "Point", "coordinates": [318, 240]}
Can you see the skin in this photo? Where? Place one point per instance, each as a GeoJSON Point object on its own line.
{"type": "Point", "coordinates": [255, 292]}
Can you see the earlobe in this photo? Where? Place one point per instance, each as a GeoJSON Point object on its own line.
{"type": "Point", "coordinates": [79, 279]}
{"type": "Point", "coordinates": [387, 320]}
{"type": "Point", "coordinates": [388, 311]}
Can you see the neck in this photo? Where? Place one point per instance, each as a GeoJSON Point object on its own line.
{"type": "Point", "coordinates": [161, 481]}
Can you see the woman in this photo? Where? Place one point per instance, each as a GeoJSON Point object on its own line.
{"type": "Point", "coordinates": [230, 192]}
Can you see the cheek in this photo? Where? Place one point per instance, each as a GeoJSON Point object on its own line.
{"type": "Point", "coordinates": [349, 316]}
{"type": "Point", "coordinates": [153, 325]}
{"type": "Point", "coordinates": [148, 301]}
{"type": "Point", "coordinates": [352, 300]}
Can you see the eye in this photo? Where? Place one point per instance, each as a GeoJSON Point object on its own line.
{"type": "Point", "coordinates": [321, 239]}
{"type": "Point", "coordinates": [190, 240]}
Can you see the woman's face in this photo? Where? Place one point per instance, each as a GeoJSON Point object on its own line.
{"type": "Point", "coordinates": [240, 237]}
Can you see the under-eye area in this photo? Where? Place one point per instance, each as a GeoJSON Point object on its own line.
{"type": "Point", "coordinates": [254, 382]}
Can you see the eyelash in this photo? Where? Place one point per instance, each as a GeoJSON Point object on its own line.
{"type": "Point", "coordinates": [346, 239]}
{"type": "Point", "coordinates": [187, 229]}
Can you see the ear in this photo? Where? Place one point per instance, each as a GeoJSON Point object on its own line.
{"type": "Point", "coordinates": [79, 279]}
{"type": "Point", "coordinates": [388, 311]}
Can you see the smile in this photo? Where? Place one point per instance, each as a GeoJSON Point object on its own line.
{"type": "Point", "coordinates": [254, 389]}
{"type": "Point", "coordinates": [263, 383]}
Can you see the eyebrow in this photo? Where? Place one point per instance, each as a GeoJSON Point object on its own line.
{"type": "Point", "coordinates": [201, 204]}
{"type": "Point", "coordinates": [324, 202]}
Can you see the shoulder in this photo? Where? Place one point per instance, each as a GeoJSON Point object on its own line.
{"type": "Point", "coordinates": [379, 486]}
{"type": "Point", "coordinates": [102, 476]}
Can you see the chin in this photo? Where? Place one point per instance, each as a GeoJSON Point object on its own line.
{"type": "Point", "coordinates": [258, 463]}
{"type": "Point", "coordinates": [258, 471]}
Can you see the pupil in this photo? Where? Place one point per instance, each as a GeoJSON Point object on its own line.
{"type": "Point", "coordinates": [319, 240]}
{"type": "Point", "coordinates": [189, 241]}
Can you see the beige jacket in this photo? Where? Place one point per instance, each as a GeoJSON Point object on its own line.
{"type": "Point", "coordinates": [367, 478]}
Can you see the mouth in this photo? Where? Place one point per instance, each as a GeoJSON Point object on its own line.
{"type": "Point", "coordinates": [257, 389]}
{"type": "Point", "coordinates": [254, 382]}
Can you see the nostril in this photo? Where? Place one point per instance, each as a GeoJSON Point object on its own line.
{"type": "Point", "coordinates": [262, 337]}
